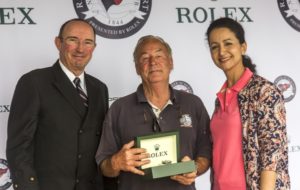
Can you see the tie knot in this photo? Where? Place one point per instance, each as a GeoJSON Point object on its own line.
{"type": "Point", "coordinates": [77, 81]}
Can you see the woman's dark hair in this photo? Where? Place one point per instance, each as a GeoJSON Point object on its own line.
{"type": "Point", "coordinates": [239, 32]}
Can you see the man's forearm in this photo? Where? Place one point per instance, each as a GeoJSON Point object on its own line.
{"type": "Point", "coordinates": [107, 168]}
{"type": "Point", "coordinates": [202, 165]}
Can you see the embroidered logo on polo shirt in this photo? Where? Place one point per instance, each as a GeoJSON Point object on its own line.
{"type": "Point", "coordinates": [185, 120]}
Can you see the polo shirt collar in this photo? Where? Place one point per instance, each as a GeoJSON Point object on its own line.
{"type": "Point", "coordinates": [142, 98]}
{"type": "Point", "coordinates": [241, 83]}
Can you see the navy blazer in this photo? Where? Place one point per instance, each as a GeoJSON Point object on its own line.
{"type": "Point", "coordinates": [52, 141]}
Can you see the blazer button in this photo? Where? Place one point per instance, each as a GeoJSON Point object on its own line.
{"type": "Point", "coordinates": [79, 156]}
{"type": "Point", "coordinates": [80, 131]}
{"type": "Point", "coordinates": [77, 180]}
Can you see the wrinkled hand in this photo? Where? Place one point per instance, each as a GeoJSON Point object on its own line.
{"type": "Point", "coordinates": [188, 178]}
{"type": "Point", "coordinates": [128, 159]}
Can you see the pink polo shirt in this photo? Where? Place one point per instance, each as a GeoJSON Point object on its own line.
{"type": "Point", "coordinates": [226, 129]}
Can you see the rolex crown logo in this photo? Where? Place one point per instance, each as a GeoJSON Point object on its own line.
{"type": "Point", "coordinates": [156, 147]}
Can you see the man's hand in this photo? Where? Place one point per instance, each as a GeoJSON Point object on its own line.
{"type": "Point", "coordinates": [128, 159]}
{"type": "Point", "coordinates": [188, 178]}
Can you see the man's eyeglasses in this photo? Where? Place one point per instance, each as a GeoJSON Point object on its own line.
{"type": "Point", "coordinates": [74, 41]}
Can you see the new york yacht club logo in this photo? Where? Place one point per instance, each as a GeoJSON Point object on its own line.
{"type": "Point", "coordinates": [287, 87]}
{"type": "Point", "coordinates": [114, 19]}
{"type": "Point", "coordinates": [182, 85]}
{"type": "Point", "coordinates": [290, 10]}
{"type": "Point", "coordinates": [5, 179]}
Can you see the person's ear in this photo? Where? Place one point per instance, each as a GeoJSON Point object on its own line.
{"type": "Point", "coordinates": [58, 43]}
{"type": "Point", "coordinates": [137, 69]}
{"type": "Point", "coordinates": [171, 62]}
{"type": "Point", "coordinates": [244, 48]}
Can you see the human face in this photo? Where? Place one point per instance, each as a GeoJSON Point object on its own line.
{"type": "Point", "coordinates": [76, 46]}
{"type": "Point", "coordinates": [226, 50]}
{"type": "Point", "coordinates": [154, 63]}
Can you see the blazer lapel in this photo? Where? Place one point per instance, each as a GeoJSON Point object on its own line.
{"type": "Point", "coordinates": [91, 91]}
{"type": "Point", "coordinates": [95, 101]}
{"type": "Point", "coordinates": [92, 98]}
{"type": "Point", "coordinates": [67, 90]}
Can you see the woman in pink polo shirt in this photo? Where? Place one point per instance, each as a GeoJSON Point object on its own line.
{"type": "Point", "coordinates": [248, 125]}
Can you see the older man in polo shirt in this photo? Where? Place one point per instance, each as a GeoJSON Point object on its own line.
{"type": "Point", "coordinates": [154, 102]}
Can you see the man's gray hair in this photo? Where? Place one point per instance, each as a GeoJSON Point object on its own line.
{"type": "Point", "coordinates": [144, 39]}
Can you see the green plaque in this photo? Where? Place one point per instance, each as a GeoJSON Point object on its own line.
{"type": "Point", "coordinates": [163, 149]}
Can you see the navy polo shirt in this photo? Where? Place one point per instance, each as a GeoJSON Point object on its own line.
{"type": "Point", "coordinates": [132, 116]}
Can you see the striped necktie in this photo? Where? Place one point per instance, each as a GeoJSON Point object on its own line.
{"type": "Point", "coordinates": [81, 93]}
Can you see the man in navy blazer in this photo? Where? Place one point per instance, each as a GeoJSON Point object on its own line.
{"type": "Point", "coordinates": [52, 135]}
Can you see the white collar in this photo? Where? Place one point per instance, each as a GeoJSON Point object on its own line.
{"type": "Point", "coordinates": [71, 76]}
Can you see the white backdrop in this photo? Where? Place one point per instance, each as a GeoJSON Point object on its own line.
{"type": "Point", "coordinates": [28, 29]}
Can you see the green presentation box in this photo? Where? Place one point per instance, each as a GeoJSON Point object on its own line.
{"type": "Point", "coordinates": [163, 149]}
{"type": "Point", "coordinates": [170, 169]}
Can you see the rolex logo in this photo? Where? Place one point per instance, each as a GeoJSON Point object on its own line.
{"type": "Point", "coordinates": [156, 147]}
